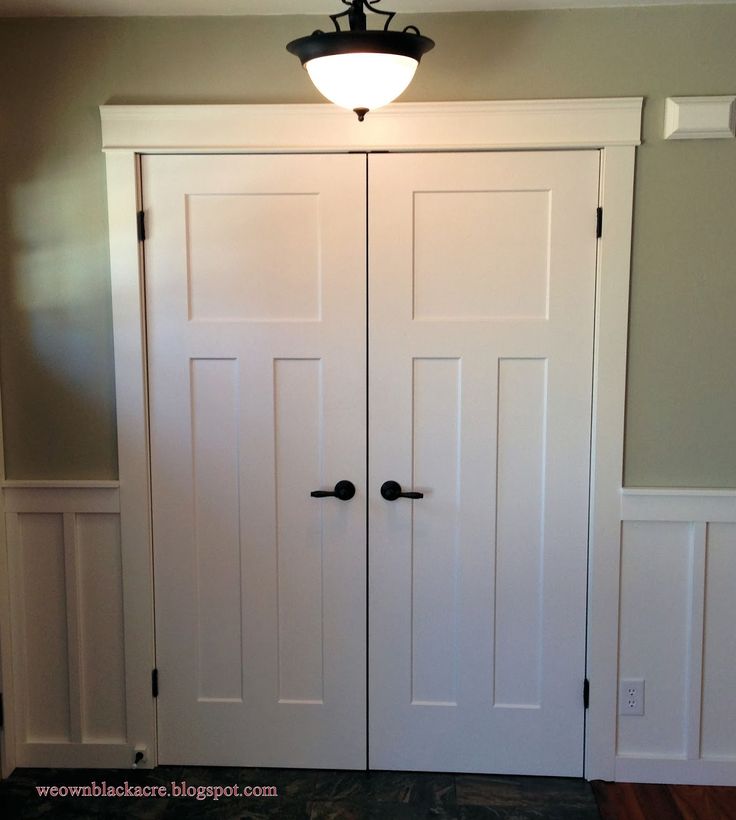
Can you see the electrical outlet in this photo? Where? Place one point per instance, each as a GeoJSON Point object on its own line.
{"type": "Point", "coordinates": [631, 696]}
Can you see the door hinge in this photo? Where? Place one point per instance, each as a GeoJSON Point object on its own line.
{"type": "Point", "coordinates": [586, 693]}
{"type": "Point", "coordinates": [154, 683]}
{"type": "Point", "coordinates": [599, 223]}
{"type": "Point", "coordinates": [2, 712]}
{"type": "Point", "coordinates": [141, 221]}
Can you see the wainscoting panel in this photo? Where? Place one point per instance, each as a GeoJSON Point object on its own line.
{"type": "Point", "coordinates": [66, 602]}
{"type": "Point", "coordinates": [678, 576]}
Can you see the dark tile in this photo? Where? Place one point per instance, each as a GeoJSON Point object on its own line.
{"type": "Point", "coordinates": [484, 812]}
{"type": "Point", "coordinates": [236, 808]}
{"type": "Point", "coordinates": [292, 784]}
{"type": "Point", "coordinates": [21, 799]}
{"type": "Point", "coordinates": [336, 810]}
{"type": "Point", "coordinates": [333, 786]}
{"type": "Point", "coordinates": [423, 787]}
{"type": "Point", "coordinates": [345, 810]}
{"type": "Point", "coordinates": [304, 793]}
{"type": "Point", "coordinates": [549, 812]}
{"type": "Point", "coordinates": [283, 812]}
{"type": "Point", "coordinates": [527, 796]}
{"type": "Point", "coordinates": [386, 787]}
{"type": "Point", "coordinates": [487, 790]}
{"type": "Point", "coordinates": [393, 787]}
{"type": "Point", "coordinates": [439, 790]}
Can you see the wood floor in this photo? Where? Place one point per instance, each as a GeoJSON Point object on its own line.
{"type": "Point", "coordinates": [645, 801]}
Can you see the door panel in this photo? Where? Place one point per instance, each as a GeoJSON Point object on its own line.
{"type": "Point", "coordinates": [482, 272]}
{"type": "Point", "coordinates": [255, 284]}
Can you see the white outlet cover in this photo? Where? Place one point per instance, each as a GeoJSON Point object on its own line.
{"type": "Point", "coordinates": [631, 696]}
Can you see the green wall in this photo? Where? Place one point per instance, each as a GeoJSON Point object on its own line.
{"type": "Point", "coordinates": [56, 344]}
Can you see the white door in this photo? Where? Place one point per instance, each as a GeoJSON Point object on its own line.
{"type": "Point", "coordinates": [481, 312]}
{"type": "Point", "coordinates": [255, 284]}
{"type": "Point", "coordinates": [482, 272]}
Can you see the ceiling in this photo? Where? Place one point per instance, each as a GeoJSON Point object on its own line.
{"type": "Point", "coordinates": [117, 8]}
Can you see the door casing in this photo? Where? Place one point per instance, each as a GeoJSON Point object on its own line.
{"type": "Point", "coordinates": [611, 125]}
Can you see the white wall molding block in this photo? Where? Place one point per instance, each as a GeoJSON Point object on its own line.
{"type": "Point", "coordinates": [695, 118]}
{"type": "Point", "coordinates": [678, 573]}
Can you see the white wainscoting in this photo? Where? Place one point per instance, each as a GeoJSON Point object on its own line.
{"type": "Point", "coordinates": [67, 624]}
{"type": "Point", "coordinates": [678, 579]}
{"type": "Point", "coordinates": [678, 586]}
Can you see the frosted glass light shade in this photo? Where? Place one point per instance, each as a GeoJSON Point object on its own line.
{"type": "Point", "coordinates": [361, 79]}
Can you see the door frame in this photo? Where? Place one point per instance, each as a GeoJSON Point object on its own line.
{"type": "Point", "coordinates": [611, 125]}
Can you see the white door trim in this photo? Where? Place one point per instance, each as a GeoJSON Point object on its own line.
{"type": "Point", "coordinates": [440, 126]}
{"type": "Point", "coordinates": [612, 125]}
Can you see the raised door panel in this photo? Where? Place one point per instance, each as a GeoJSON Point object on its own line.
{"type": "Point", "coordinates": [255, 274]}
{"type": "Point", "coordinates": [482, 275]}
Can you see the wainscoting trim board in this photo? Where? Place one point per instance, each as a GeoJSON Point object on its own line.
{"type": "Point", "coordinates": [70, 499]}
{"type": "Point", "coordinates": [681, 540]}
{"type": "Point", "coordinates": [54, 484]}
{"type": "Point", "coordinates": [678, 505]}
{"type": "Point", "coordinates": [65, 653]}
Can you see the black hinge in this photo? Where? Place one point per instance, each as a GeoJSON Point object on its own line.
{"type": "Point", "coordinates": [141, 220]}
{"type": "Point", "coordinates": [154, 683]}
{"type": "Point", "coordinates": [2, 712]}
{"type": "Point", "coordinates": [586, 693]}
{"type": "Point", "coordinates": [599, 223]}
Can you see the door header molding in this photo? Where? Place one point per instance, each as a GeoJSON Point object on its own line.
{"type": "Point", "coordinates": [437, 126]}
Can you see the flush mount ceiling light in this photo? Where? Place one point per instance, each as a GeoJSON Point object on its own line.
{"type": "Point", "coordinates": [361, 69]}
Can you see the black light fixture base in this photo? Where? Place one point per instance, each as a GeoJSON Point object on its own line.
{"type": "Point", "coordinates": [321, 44]}
{"type": "Point", "coordinates": [361, 112]}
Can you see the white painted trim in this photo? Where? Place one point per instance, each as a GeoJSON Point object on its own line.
{"type": "Point", "coordinates": [32, 484]}
{"type": "Point", "coordinates": [695, 639]}
{"type": "Point", "coordinates": [611, 125]}
{"type": "Point", "coordinates": [609, 392]}
{"type": "Point", "coordinates": [58, 500]}
{"type": "Point", "coordinates": [697, 118]}
{"type": "Point", "coordinates": [676, 770]}
{"type": "Point", "coordinates": [70, 502]}
{"type": "Point", "coordinates": [76, 755]}
{"type": "Point", "coordinates": [698, 508]}
{"type": "Point", "coordinates": [584, 123]}
{"type": "Point", "coordinates": [712, 506]}
{"type": "Point", "coordinates": [73, 627]}
{"type": "Point", "coordinates": [129, 335]}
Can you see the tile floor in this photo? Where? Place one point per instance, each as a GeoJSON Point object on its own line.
{"type": "Point", "coordinates": [306, 794]}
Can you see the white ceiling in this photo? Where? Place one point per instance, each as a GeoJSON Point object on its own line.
{"type": "Point", "coordinates": [116, 8]}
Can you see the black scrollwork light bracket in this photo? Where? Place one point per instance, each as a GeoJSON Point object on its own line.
{"type": "Point", "coordinates": [357, 17]}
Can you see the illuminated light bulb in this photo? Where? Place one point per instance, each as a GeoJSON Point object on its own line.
{"type": "Point", "coordinates": [362, 81]}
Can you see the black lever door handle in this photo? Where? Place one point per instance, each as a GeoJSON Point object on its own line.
{"type": "Point", "coordinates": [391, 490]}
{"type": "Point", "coordinates": [344, 491]}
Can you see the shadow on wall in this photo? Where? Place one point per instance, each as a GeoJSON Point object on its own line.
{"type": "Point", "coordinates": [55, 312]}
{"type": "Point", "coordinates": [56, 354]}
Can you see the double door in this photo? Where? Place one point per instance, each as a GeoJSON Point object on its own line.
{"type": "Point", "coordinates": [423, 319]}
